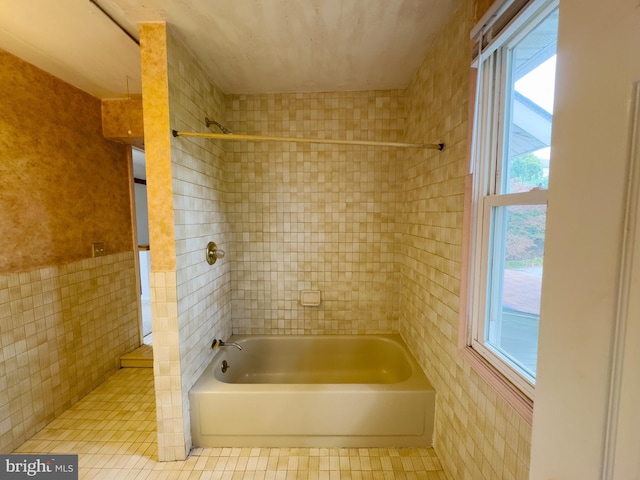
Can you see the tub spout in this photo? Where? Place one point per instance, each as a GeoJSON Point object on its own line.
{"type": "Point", "coordinates": [227, 344]}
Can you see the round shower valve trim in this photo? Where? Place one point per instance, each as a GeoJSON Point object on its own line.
{"type": "Point", "coordinates": [213, 253]}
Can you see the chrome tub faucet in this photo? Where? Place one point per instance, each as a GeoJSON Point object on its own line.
{"type": "Point", "coordinates": [220, 343]}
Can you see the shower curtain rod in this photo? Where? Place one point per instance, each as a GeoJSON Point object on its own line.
{"type": "Point", "coordinates": [258, 138]}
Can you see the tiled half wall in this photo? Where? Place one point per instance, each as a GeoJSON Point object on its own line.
{"type": "Point", "coordinates": [62, 331]}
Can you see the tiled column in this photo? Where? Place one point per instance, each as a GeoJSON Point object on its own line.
{"type": "Point", "coordinates": [166, 348]}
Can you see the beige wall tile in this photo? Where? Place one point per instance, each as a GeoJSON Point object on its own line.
{"type": "Point", "coordinates": [477, 434]}
{"type": "Point", "coordinates": [63, 330]}
{"type": "Point", "coordinates": [314, 216]}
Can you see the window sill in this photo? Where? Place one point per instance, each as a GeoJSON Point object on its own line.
{"type": "Point", "coordinates": [522, 404]}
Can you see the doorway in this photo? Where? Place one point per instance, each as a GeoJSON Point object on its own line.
{"type": "Point", "coordinates": [142, 233]}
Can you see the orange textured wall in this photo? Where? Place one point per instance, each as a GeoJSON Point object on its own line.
{"type": "Point", "coordinates": [62, 185]}
{"type": "Point", "coordinates": [155, 105]}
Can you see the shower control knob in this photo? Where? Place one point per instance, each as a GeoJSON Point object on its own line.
{"type": "Point", "coordinates": [213, 253]}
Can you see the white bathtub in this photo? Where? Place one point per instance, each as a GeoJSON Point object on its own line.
{"type": "Point", "coordinates": [313, 391]}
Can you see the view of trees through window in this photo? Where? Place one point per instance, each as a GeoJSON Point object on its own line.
{"type": "Point", "coordinates": [526, 225]}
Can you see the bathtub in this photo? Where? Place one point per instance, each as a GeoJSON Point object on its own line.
{"type": "Point", "coordinates": [313, 391]}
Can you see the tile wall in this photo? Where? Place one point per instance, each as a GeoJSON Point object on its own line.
{"type": "Point", "coordinates": [310, 216]}
{"type": "Point", "coordinates": [199, 200]}
{"type": "Point", "coordinates": [63, 329]}
{"type": "Point", "coordinates": [477, 434]}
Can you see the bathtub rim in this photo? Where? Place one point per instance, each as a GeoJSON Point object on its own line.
{"type": "Point", "coordinates": [208, 381]}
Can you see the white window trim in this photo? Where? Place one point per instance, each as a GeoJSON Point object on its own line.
{"type": "Point", "coordinates": [518, 391]}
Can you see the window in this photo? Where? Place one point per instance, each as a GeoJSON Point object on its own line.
{"type": "Point", "coordinates": [510, 172]}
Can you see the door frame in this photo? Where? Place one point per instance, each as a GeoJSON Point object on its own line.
{"type": "Point", "coordinates": [622, 441]}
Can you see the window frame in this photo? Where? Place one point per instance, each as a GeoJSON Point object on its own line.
{"type": "Point", "coordinates": [480, 303]}
{"type": "Point", "coordinates": [482, 193]}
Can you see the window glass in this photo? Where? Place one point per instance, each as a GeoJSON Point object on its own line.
{"type": "Point", "coordinates": [515, 280]}
{"type": "Point", "coordinates": [530, 82]}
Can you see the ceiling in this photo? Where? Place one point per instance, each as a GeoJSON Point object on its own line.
{"type": "Point", "coordinates": [246, 46]}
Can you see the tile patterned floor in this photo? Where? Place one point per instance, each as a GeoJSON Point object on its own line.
{"type": "Point", "coordinates": [113, 432]}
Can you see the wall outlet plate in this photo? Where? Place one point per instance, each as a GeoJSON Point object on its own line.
{"type": "Point", "coordinates": [97, 249]}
